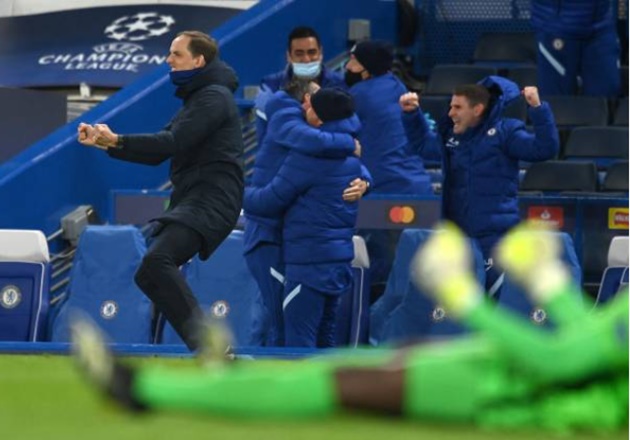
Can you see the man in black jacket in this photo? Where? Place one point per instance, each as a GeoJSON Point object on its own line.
{"type": "Point", "coordinates": [204, 143]}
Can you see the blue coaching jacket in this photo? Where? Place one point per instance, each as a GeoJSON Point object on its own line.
{"type": "Point", "coordinates": [318, 223]}
{"type": "Point", "coordinates": [386, 152]}
{"type": "Point", "coordinates": [480, 166]}
{"type": "Point", "coordinates": [288, 130]}
{"type": "Point", "coordinates": [572, 18]}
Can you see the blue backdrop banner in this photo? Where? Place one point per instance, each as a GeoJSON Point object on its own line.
{"type": "Point", "coordinates": [105, 46]}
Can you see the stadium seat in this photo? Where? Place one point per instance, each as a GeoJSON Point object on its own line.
{"type": "Point", "coordinates": [354, 310]}
{"type": "Point", "coordinates": [24, 280]}
{"type": "Point", "coordinates": [445, 77]}
{"type": "Point", "coordinates": [516, 110]}
{"type": "Point", "coordinates": [513, 297]}
{"type": "Point", "coordinates": [397, 283]}
{"type": "Point", "coordinates": [615, 275]}
{"type": "Point", "coordinates": [523, 76]}
{"type": "Point", "coordinates": [621, 114]}
{"type": "Point", "coordinates": [616, 179]}
{"type": "Point", "coordinates": [602, 145]}
{"type": "Point", "coordinates": [560, 176]}
{"type": "Point", "coordinates": [505, 49]}
{"type": "Point", "coordinates": [572, 111]}
{"type": "Point", "coordinates": [226, 290]}
{"type": "Point", "coordinates": [404, 313]}
{"type": "Point", "coordinates": [102, 285]}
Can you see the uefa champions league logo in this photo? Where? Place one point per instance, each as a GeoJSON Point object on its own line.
{"type": "Point", "coordinates": [139, 27]}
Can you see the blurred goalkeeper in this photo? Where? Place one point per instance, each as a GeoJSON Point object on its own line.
{"type": "Point", "coordinates": [511, 374]}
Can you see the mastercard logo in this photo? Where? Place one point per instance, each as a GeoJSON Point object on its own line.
{"type": "Point", "coordinates": [402, 214]}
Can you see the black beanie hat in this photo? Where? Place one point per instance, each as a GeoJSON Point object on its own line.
{"type": "Point", "coordinates": [332, 104]}
{"type": "Point", "coordinates": [376, 56]}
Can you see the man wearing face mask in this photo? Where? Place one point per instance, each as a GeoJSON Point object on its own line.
{"type": "Point", "coordinates": [204, 143]}
{"type": "Point", "coordinates": [395, 166]}
{"type": "Point", "coordinates": [304, 62]}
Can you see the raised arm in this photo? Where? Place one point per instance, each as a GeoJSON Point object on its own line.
{"type": "Point", "coordinates": [544, 143]}
{"type": "Point", "coordinates": [421, 138]}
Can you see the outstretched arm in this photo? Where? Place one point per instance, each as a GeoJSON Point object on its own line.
{"type": "Point", "coordinates": [208, 110]}
{"type": "Point", "coordinates": [102, 137]}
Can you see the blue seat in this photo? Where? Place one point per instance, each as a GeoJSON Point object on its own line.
{"type": "Point", "coordinates": [615, 275]}
{"type": "Point", "coordinates": [560, 176]}
{"type": "Point", "coordinates": [513, 297]}
{"type": "Point", "coordinates": [602, 145]}
{"type": "Point", "coordinates": [621, 113]}
{"type": "Point", "coordinates": [404, 312]}
{"type": "Point", "coordinates": [614, 279]}
{"type": "Point", "coordinates": [102, 285]}
{"type": "Point", "coordinates": [445, 77]}
{"type": "Point", "coordinates": [226, 290]}
{"type": "Point", "coordinates": [572, 111]}
{"type": "Point", "coordinates": [354, 310]}
{"type": "Point", "coordinates": [504, 50]}
{"type": "Point", "coordinates": [616, 179]}
{"type": "Point", "coordinates": [523, 75]}
{"type": "Point", "coordinates": [24, 281]}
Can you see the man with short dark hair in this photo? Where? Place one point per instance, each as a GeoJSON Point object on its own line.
{"type": "Point", "coordinates": [205, 145]}
{"type": "Point", "coordinates": [481, 151]}
{"type": "Point", "coordinates": [305, 56]}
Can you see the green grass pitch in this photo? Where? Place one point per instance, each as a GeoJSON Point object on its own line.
{"type": "Point", "coordinates": [43, 397]}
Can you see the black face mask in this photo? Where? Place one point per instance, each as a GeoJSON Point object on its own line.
{"type": "Point", "coordinates": [351, 78]}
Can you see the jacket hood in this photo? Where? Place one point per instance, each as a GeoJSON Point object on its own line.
{"type": "Point", "coordinates": [503, 93]}
{"type": "Point", "coordinates": [280, 100]}
{"type": "Point", "coordinates": [214, 73]}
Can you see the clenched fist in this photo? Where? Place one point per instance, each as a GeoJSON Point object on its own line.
{"type": "Point", "coordinates": [530, 93]}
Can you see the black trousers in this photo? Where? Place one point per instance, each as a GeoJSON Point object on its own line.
{"type": "Point", "coordinates": [160, 279]}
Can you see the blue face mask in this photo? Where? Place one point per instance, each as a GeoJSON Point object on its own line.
{"type": "Point", "coordinates": [307, 70]}
{"type": "Point", "coordinates": [183, 77]}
